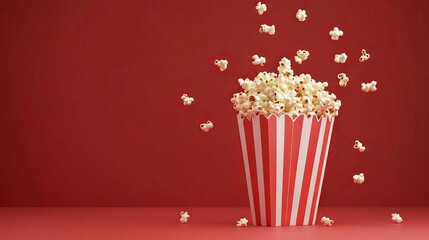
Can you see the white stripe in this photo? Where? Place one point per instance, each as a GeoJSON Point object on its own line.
{"type": "Point", "coordinates": [323, 170]}
{"type": "Point", "coordinates": [279, 167]}
{"type": "Point", "coordinates": [314, 172]}
{"type": "Point", "coordinates": [302, 157]}
{"type": "Point", "coordinates": [259, 167]}
{"type": "Point", "coordinates": [246, 166]}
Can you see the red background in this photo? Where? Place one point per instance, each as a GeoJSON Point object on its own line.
{"type": "Point", "coordinates": [91, 112]}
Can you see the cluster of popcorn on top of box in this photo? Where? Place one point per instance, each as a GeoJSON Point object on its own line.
{"type": "Point", "coordinates": [284, 93]}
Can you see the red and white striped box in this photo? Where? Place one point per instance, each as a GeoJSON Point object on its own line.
{"type": "Point", "coordinates": [284, 162]}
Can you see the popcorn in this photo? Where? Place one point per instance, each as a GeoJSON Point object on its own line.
{"type": "Point", "coordinates": [365, 56]}
{"type": "Point", "coordinates": [271, 30]}
{"type": "Point", "coordinates": [222, 64]}
{"type": "Point", "coordinates": [258, 60]}
{"type": "Point", "coordinates": [327, 222]}
{"type": "Point", "coordinates": [301, 15]}
{"type": "Point", "coordinates": [369, 87]}
{"type": "Point", "coordinates": [396, 218]}
{"type": "Point", "coordinates": [184, 216]}
{"type": "Point", "coordinates": [343, 79]}
{"type": "Point", "coordinates": [359, 179]}
{"type": "Point", "coordinates": [261, 8]}
{"type": "Point", "coordinates": [187, 101]}
{"type": "Point", "coordinates": [206, 126]}
{"type": "Point", "coordinates": [284, 93]}
{"type": "Point", "coordinates": [358, 145]}
{"type": "Point", "coordinates": [242, 222]}
{"type": "Point", "coordinates": [336, 33]}
{"type": "Point", "coordinates": [301, 56]}
{"type": "Point", "coordinates": [340, 58]}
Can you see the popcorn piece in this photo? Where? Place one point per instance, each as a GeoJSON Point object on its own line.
{"type": "Point", "coordinates": [184, 216]}
{"type": "Point", "coordinates": [327, 222]}
{"type": "Point", "coordinates": [358, 145]}
{"type": "Point", "coordinates": [396, 218]}
{"type": "Point", "coordinates": [284, 93]}
{"type": "Point", "coordinates": [359, 179]}
{"type": "Point", "coordinates": [301, 15]}
{"type": "Point", "coordinates": [271, 30]}
{"type": "Point", "coordinates": [261, 8]}
{"type": "Point", "coordinates": [369, 87]}
{"type": "Point", "coordinates": [365, 56]}
{"type": "Point", "coordinates": [336, 33]}
{"type": "Point", "coordinates": [301, 56]}
{"type": "Point", "coordinates": [340, 58]}
{"type": "Point", "coordinates": [343, 79]}
{"type": "Point", "coordinates": [206, 126]}
{"type": "Point", "coordinates": [222, 64]}
{"type": "Point", "coordinates": [187, 101]}
{"type": "Point", "coordinates": [242, 222]}
{"type": "Point", "coordinates": [258, 60]}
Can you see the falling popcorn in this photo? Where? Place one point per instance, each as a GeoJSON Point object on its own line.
{"type": "Point", "coordinates": [336, 33]}
{"type": "Point", "coordinates": [206, 126]}
{"type": "Point", "coordinates": [359, 146]}
{"type": "Point", "coordinates": [359, 179]}
{"type": "Point", "coordinates": [187, 101]}
{"type": "Point", "coordinates": [184, 216]}
{"type": "Point", "coordinates": [258, 60]}
{"type": "Point", "coordinates": [301, 15]}
{"type": "Point", "coordinates": [301, 56]}
{"type": "Point", "coordinates": [340, 58]}
{"type": "Point", "coordinates": [261, 8]}
{"type": "Point", "coordinates": [222, 64]}
{"type": "Point", "coordinates": [326, 221]}
{"type": "Point", "coordinates": [365, 56]}
{"type": "Point", "coordinates": [242, 222]}
{"type": "Point", "coordinates": [369, 87]}
{"type": "Point", "coordinates": [343, 79]}
{"type": "Point", "coordinates": [396, 218]}
{"type": "Point", "coordinates": [271, 30]}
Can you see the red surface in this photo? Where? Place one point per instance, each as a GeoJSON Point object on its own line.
{"type": "Point", "coordinates": [204, 223]}
{"type": "Point", "coordinates": [91, 112]}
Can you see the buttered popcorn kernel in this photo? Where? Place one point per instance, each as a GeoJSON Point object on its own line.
{"type": "Point", "coordinates": [336, 33]}
{"type": "Point", "coordinates": [359, 146]}
{"type": "Point", "coordinates": [301, 15]}
{"type": "Point", "coordinates": [301, 55]}
{"type": "Point", "coordinates": [365, 56]}
{"type": "Point", "coordinates": [242, 222]}
{"type": "Point", "coordinates": [359, 179]}
{"type": "Point", "coordinates": [343, 79]}
{"type": "Point", "coordinates": [369, 87]}
{"type": "Point", "coordinates": [261, 8]}
{"type": "Point", "coordinates": [207, 126]}
{"type": "Point", "coordinates": [187, 101]}
{"type": "Point", "coordinates": [258, 60]}
{"type": "Point", "coordinates": [327, 222]}
{"type": "Point", "coordinates": [222, 64]}
{"type": "Point", "coordinates": [340, 58]}
{"type": "Point", "coordinates": [184, 217]}
{"type": "Point", "coordinates": [396, 218]}
{"type": "Point", "coordinates": [270, 30]}
{"type": "Point", "coordinates": [284, 93]}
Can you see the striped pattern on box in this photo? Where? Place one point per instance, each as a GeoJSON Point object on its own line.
{"type": "Point", "coordinates": [284, 163]}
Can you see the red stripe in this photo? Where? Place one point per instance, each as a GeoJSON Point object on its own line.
{"type": "Point", "coordinates": [296, 141]}
{"type": "Point", "coordinates": [272, 137]}
{"type": "Point", "coordinates": [311, 152]}
{"type": "Point", "coordinates": [319, 171]}
{"type": "Point", "coordinates": [265, 143]}
{"type": "Point", "coordinates": [248, 129]}
{"type": "Point", "coordinates": [286, 166]}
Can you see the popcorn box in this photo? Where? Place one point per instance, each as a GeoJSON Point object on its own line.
{"type": "Point", "coordinates": [284, 163]}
